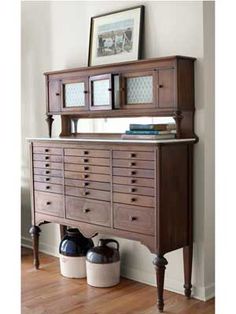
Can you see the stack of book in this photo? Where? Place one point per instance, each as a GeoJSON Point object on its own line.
{"type": "Point", "coordinates": [150, 131]}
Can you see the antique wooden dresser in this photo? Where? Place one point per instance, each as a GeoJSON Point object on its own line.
{"type": "Point", "coordinates": [136, 189]}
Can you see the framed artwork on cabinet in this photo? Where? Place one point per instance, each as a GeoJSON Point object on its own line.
{"type": "Point", "coordinates": [116, 36]}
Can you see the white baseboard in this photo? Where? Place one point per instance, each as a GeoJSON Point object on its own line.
{"type": "Point", "coordinates": [200, 293]}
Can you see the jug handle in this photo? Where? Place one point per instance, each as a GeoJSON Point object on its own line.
{"type": "Point", "coordinates": [106, 241]}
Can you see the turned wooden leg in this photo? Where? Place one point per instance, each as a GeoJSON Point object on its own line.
{"type": "Point", "coordinates": [62, 230]}
{"type": "Point", "coordinates": [34, 231]}
{"type": "Point", "coordinates": [160, 265]}
{"type": "Point", "coordinates": [188, 257]}
{"type": "Point", "coordinates": [49, 122]}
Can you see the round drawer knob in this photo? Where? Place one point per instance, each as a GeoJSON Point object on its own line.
{"type": "Point", "coordinates": [47, 172]}
{"type": "Point", "coordinates": [132, 155]}
{"type": "Point", "coordinates": [86, 176]}
{"type": "Point", "coordinates": [86, 183]}
{"type": "Point", "coordinates": [133, 199]}
{"type": "Point", "coordinates": [48, 203]}
{"type": "Point", "coordinates": [47, 165]}
{"type": "Point", "coordinates": [86, 193]}
{"type": "Point", "coordinates": [132, 190]}
{"type": "Point", "coordinates": [46, 157]}
{"type": "Point", "coordinates": [133, 173]}
{"type": "Point", "coordinates": [86, 168]}
{"type": "Point", "coordinates": [86, 152]}
{"type": "Point", "coordinates": [133, 164]}
{"type": "Point", "coordinates": [46, 150]}
{"type": "Point", "coordinates": [47, 179]}
{"type": "Point", "coordinates": [86, 160]}
{"type": "Point", "coordinates": [47, 187]}
{"type": "Point", "coordinates": [86, 210]}
{"type": "Point", "coordinates": [133, 218]}
{"type": "Point", "coordinates": [133, 181]}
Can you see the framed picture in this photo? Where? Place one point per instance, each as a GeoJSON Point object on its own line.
{"type": "Point", "coordinates": [116, 36]}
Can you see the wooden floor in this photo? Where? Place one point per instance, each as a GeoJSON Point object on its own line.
{"type": "Point", "coordinates": [46, 291]}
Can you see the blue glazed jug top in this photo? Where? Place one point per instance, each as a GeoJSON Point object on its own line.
{"type": "Point", "coordinates": [74, 243]}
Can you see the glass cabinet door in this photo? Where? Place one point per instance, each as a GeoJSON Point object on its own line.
{"type": "Point", "coordinates": [138, 90]}
{"type": "Point", "coordinates": [101, 92]}
{"type": "Point", "coordinates": [75, 94]}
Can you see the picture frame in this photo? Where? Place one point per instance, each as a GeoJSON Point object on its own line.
{"type": "Point", "coordinates": [116, 36]}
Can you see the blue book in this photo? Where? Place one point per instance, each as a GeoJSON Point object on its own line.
{"type": "Point", "coordinates": [145, 132]}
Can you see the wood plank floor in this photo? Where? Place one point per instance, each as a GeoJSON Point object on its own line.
{"type": "Point", "coordinates": [46, 291]}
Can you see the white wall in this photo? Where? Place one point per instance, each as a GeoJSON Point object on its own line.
{"type": "Point", "coordinates": [55, 36]}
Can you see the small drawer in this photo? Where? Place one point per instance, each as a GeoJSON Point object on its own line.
{"type": "Point", "coordinates": [134, 218]}
{"type": "Point", "coordinates": [88, 193]}
{"type": "Point", "coordinates": [47, 165]}
{"type": "Point", "coordinates": [133, 181]}
{"type": "Point", "coordinates": [47, 150]}
{"type": "Point", "coordinates": [46, 158]}
{"type": "Point", "coordinates": [87, 152]}
{"type": "Point", "coordinates": [87, 160]}
{"type": "Point", "coordinates": [140, 173]}
{"type": "Point", "coordinates": [88, 184]}
{"type": "Point", "coordinates": [142, 164]}
{"type": "Point", "coordinates": [48, 172]}
{"type": "Point", "coordinates": [131, 199]}
{"type": "Point", "coordinates": [87, 176]}
{"type": "Point", "coordinates": [133, 155]}
{"type": "Point", "coordinates": [87, 168]}
{"type": "Point", "coordinates": [47, 187]}
{"type": "Point", "coordinates": [90, 211]}
{"type": "Point", "coordinates": [53, 180]}
{"type": "Point", "coordinates": [49, 203]}
{"type": "Point", "coordinates": [133, 189]}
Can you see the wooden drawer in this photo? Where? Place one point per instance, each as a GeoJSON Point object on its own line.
{"type": "Point", "coordinates": [47, 165]}
{"type": "Point", "coordinates": [133, 189]}
{"type": "Point", "coordinates": [47, 187]}
{"type": "Point", "coordinates": [89, 184]}
{"type": "Point", "coordinates": [48, 172]}
{"type": "Point", "coordinates": [142, 164]}
{"type": "Point", "coordinates": [87, 160]}
{"type": "Point", "coordinates": [87, 176]}
{"type": "Point", "coordinates": [88, 193]}
{"type": "Point", "coordinates": [47, 150]}
{"type": "Point", "coordinates": [46, 158]}
{"type": "Point", "coordinates": [133, 181]}
{"type": "Point", "coordinates": [87, 152]}
{"type": "Point", "coordinates": [54, 180]}
{"type": "Point", "coordinates": [133, 172]}
{"type": "Point", "coordinates": [140, 200]}
{"type": "Point", "coordinates": [87, 168]}
{"type": "Point", "coordinates": [133, 155]}
{"type": "Point", "coordinates": [134, 218]}
{"type": "Point", "coordinates": [95, 212]}
{"type": "Point", "coordinates": [49, 203]}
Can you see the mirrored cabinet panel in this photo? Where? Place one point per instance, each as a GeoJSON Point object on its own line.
{"type": "Point", "coordinates": [75, 94]}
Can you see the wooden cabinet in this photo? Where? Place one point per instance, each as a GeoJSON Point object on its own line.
{"type": "Point", "coordinates": [139, 190]}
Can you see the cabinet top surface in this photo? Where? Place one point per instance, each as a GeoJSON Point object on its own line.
{"type": "Point", "coordinates": [141, 61]}
{"type": "Point", "coordinates": [109, 140]}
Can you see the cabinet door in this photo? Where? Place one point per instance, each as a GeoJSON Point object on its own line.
{"type": "Point", "coordinates": [101, 92]}
{"type": "Point", "coordinates": [75, 94]}
{"type": "Point", "coordinates": [137, 90]}
{"type": "Point", "coordinates": [165, 88]}
{"type": "Point", "coordinates": [54, 96]}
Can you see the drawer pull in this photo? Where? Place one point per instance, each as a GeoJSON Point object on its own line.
{"type": "Point", "coordinates": [86, 168]}
{"type": "Point", "coordinates": [132, 190]}
{"type": "Point", "coordinates": [86, 176]}
{"type": "Point", "coordinates": [47, 179]}
{"type": "Point", "coordinates": [46, 150]}
{"type": "Point", "coordinates": [133, 173]}
{"type": "Point", "coordinates": [47, 165]}
{"type": "Point", "coordinates": [57, 94]}
{"type": "Point", "coordinates": [86, 152]}
{"type": "Point", "coordinates": [86, 160]}
{"type": "Point", "coordinates": [48, 203]}
{"type": "Point", "coordinates": [86, 210]}
{"type": "Point", "coordinates": [133, 164]}
{"type": "Point", "coordinates": [47, 187]}
{"type": "Point", "coordinates": [46, 157]}
{"type": "Point", "coordinates": [133, 218]}
{"type": "Point", "coordinates": [133, 199]}
{"type": "Point", "coordinates": [86, 193]}
{"type": "Point", "coordinates": [133, 181]}
{"type": "Point", "coordinates": [47, 172]}
{"type": "Point", "coordinates": [86, 183]}
{"type": "Point", "coordinates": [132, 155]}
